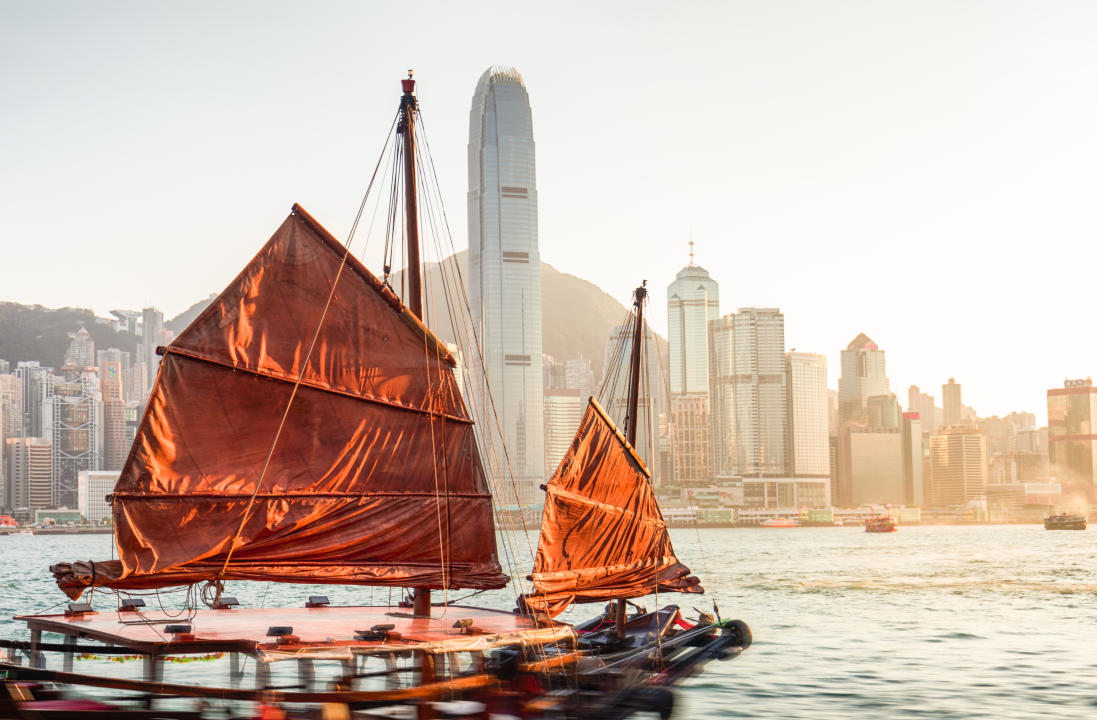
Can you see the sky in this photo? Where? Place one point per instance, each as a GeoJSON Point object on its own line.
{"type": "Point", "coordinates": [922, 172]}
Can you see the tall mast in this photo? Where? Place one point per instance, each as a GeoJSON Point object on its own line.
{"type": "Point", "coordinates": [633, 416]}
{"type": "Point", "coordinates": [408, 107]}
{"type": "Point", "coordinates": [406, 127]}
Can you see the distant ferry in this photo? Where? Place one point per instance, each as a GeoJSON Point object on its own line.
{"type": "Point", "coordinates": [881, 524]}
{"type": "Point", "coordinates": [1065, 522]}
{"type": "Point", "coordinates": [780, 523]}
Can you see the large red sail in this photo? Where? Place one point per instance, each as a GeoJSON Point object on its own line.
{"type": "Point", "coordinates": [602, 535]}
{"type": "Point", "coordinates": [375, 478]}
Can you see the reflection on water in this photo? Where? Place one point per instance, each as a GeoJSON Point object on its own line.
{"type": "Point", "coordinates": [934, 622]}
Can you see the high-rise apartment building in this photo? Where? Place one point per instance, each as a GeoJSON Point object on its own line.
{"type": "Point", "coordinates": [563, 412]}
{"type": "Point", "coordinates": [958, 456]}
{"type": "Point", "coordinates": [749, 397]}
{"type": "Point", "coordinates": [1072, 432]}
{"type": "Point", "coordinates": [37, 382]}
{"type": "Point", "coordinates": [693, 300]}
{"type": "Point", "coordinates": [505, 268]}
{"type": "Point", "coordinates": [30, 473]}
{"type": "Point", "coordinates": [809, 444]}
{"type": "Point", "coordinates": [152, 325]}
{"type": "Point", "coordinates": [952, 404]}
{"type": "Point", "coordinates": [81, 350]}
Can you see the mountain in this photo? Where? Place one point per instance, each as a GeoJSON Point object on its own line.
{"type": "Point", "coordinates": [576, 317]}
{"type": "Point", "coordinates": [33, 332]}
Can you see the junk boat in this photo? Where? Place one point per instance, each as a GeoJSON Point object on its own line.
{"type": "Point", "coordinates": [1065, 522]}
{"type": "Point", "coordinates": [308, 428]}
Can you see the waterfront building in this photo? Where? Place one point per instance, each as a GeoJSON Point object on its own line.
{"type": "Point", "coordinates": [563, 411]}
{"type": "Point", "coordinates": [809, 443]}
{"type": "Point", "coordinates": [959, 460]}
{"type": "Point", "coordinates": [505, 268]}
{"type": "Point", "coordinates": [885, 464]}
{"type": "Point", "coordinates": [914, 470]}
{"type": "Point", "coordinates": [693, 301]}
{"type": "Point", "coordinates": [952, 403]}
{"type": "Point", "coordinates": [93, 488]}
{"type": "Point", "coordinates": [30, 473]}
{"type": "Point", "coordinates": [1072, 433]}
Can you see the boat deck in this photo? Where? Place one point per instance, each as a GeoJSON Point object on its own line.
{"type": "Point", "coordinates": [313, 629]}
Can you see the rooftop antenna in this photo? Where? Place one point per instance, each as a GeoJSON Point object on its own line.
{"type": "Point", "coordinates": [691, 246]}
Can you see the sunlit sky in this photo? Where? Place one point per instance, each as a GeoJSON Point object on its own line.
{"type": "Point", "coordinates": [923, 172]}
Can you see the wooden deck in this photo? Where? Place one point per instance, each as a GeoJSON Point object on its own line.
{"type": "Point", "coordinates": [314, 629]}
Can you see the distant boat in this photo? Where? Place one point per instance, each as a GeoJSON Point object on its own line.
{"type": "Point", "coordinates": [881, 524]}
{"type": "Point", "coordinates": [1065, 522]}
{"type": "Point", "coordinates": [780, 523]}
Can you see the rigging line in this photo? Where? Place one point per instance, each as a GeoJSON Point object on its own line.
{"type": "Point", "coordinates": [432, 207]}
{"type": "Point", "coordinates": [304, 364]}
{"type": "Point", "coordinates": [672, 432]}
{"type": "Point", "coordinates": [464, 297]}
{"type": "Point", "coordinates": [488, 398]}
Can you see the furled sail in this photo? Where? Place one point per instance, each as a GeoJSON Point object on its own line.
{"type": "Point", "coordinates": [602, 535]}
{"type": "Point", "coordinates": [375, 478]}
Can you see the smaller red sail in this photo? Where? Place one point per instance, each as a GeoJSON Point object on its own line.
{"type": "Point", "coordinates": [602, 535]}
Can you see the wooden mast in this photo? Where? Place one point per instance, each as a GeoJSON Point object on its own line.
{"type": "Point", "coordinates": [406, 127]}
{"type": "Point", "coordinates": [633, 416]}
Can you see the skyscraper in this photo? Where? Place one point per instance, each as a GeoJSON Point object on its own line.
{"type": "Point", "coordinates": [30, 468]}
{"type": "Point", "coordinates": [864, 374]}
{"type": "Point", "coordinates": [152, 324]}
{"type": "Point", "coordinates": [809, 443]}
{"type": "Point", "coordinates": [952, 403]}
{"type": "Point", "coordinates": [505, 267]}
{"type": "Point", "coordinates": [693, 299]}
{"type": "Point", "coordinates": [563, 411]}
{"type": "Point", "coordinates": [749, 403]}
{"type": "Point", "coordinates": [74, 429]}
{"type": "Point", "coordinates": [115, 444]}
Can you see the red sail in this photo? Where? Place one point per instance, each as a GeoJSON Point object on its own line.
{"type": "Point", "coordinates": [602, 535]}
{"type": "Point", "coordinates": [375, 478]}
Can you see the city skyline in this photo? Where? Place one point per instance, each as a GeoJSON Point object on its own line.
{"type": "Point", "coordinates": [961, 171]}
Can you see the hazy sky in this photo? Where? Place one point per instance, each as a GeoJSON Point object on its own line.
{"type": "Point", "coordinates": [923, 172]}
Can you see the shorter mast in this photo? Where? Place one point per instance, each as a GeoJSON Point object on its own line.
{"type": "Point", "coordinates": [632, 418]}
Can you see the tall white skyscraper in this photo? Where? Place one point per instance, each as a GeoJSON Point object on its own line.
{"type": "Point", "coordinates": [864, 374]}
{"type": "Point", "coordinates": [807, 414]}
{"type": "Point", "coordinates": [693, 299]}
{"type": "Point", "coordinates": [505, 267]}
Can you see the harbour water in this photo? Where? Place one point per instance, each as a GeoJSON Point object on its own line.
{"type": "Point", "coordinates": [934, 622]}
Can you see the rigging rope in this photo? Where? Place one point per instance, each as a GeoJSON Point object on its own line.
{"type": "Point", "coordinates": [219, 580]}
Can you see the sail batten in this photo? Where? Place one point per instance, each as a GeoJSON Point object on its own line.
{"type": "Point", "coordinates": [376, 451]}
{"type": "Point", "coordinates": [602, 534]}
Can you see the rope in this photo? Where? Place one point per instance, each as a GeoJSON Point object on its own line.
{"type": "Point", "coordinates": [300, 375]}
